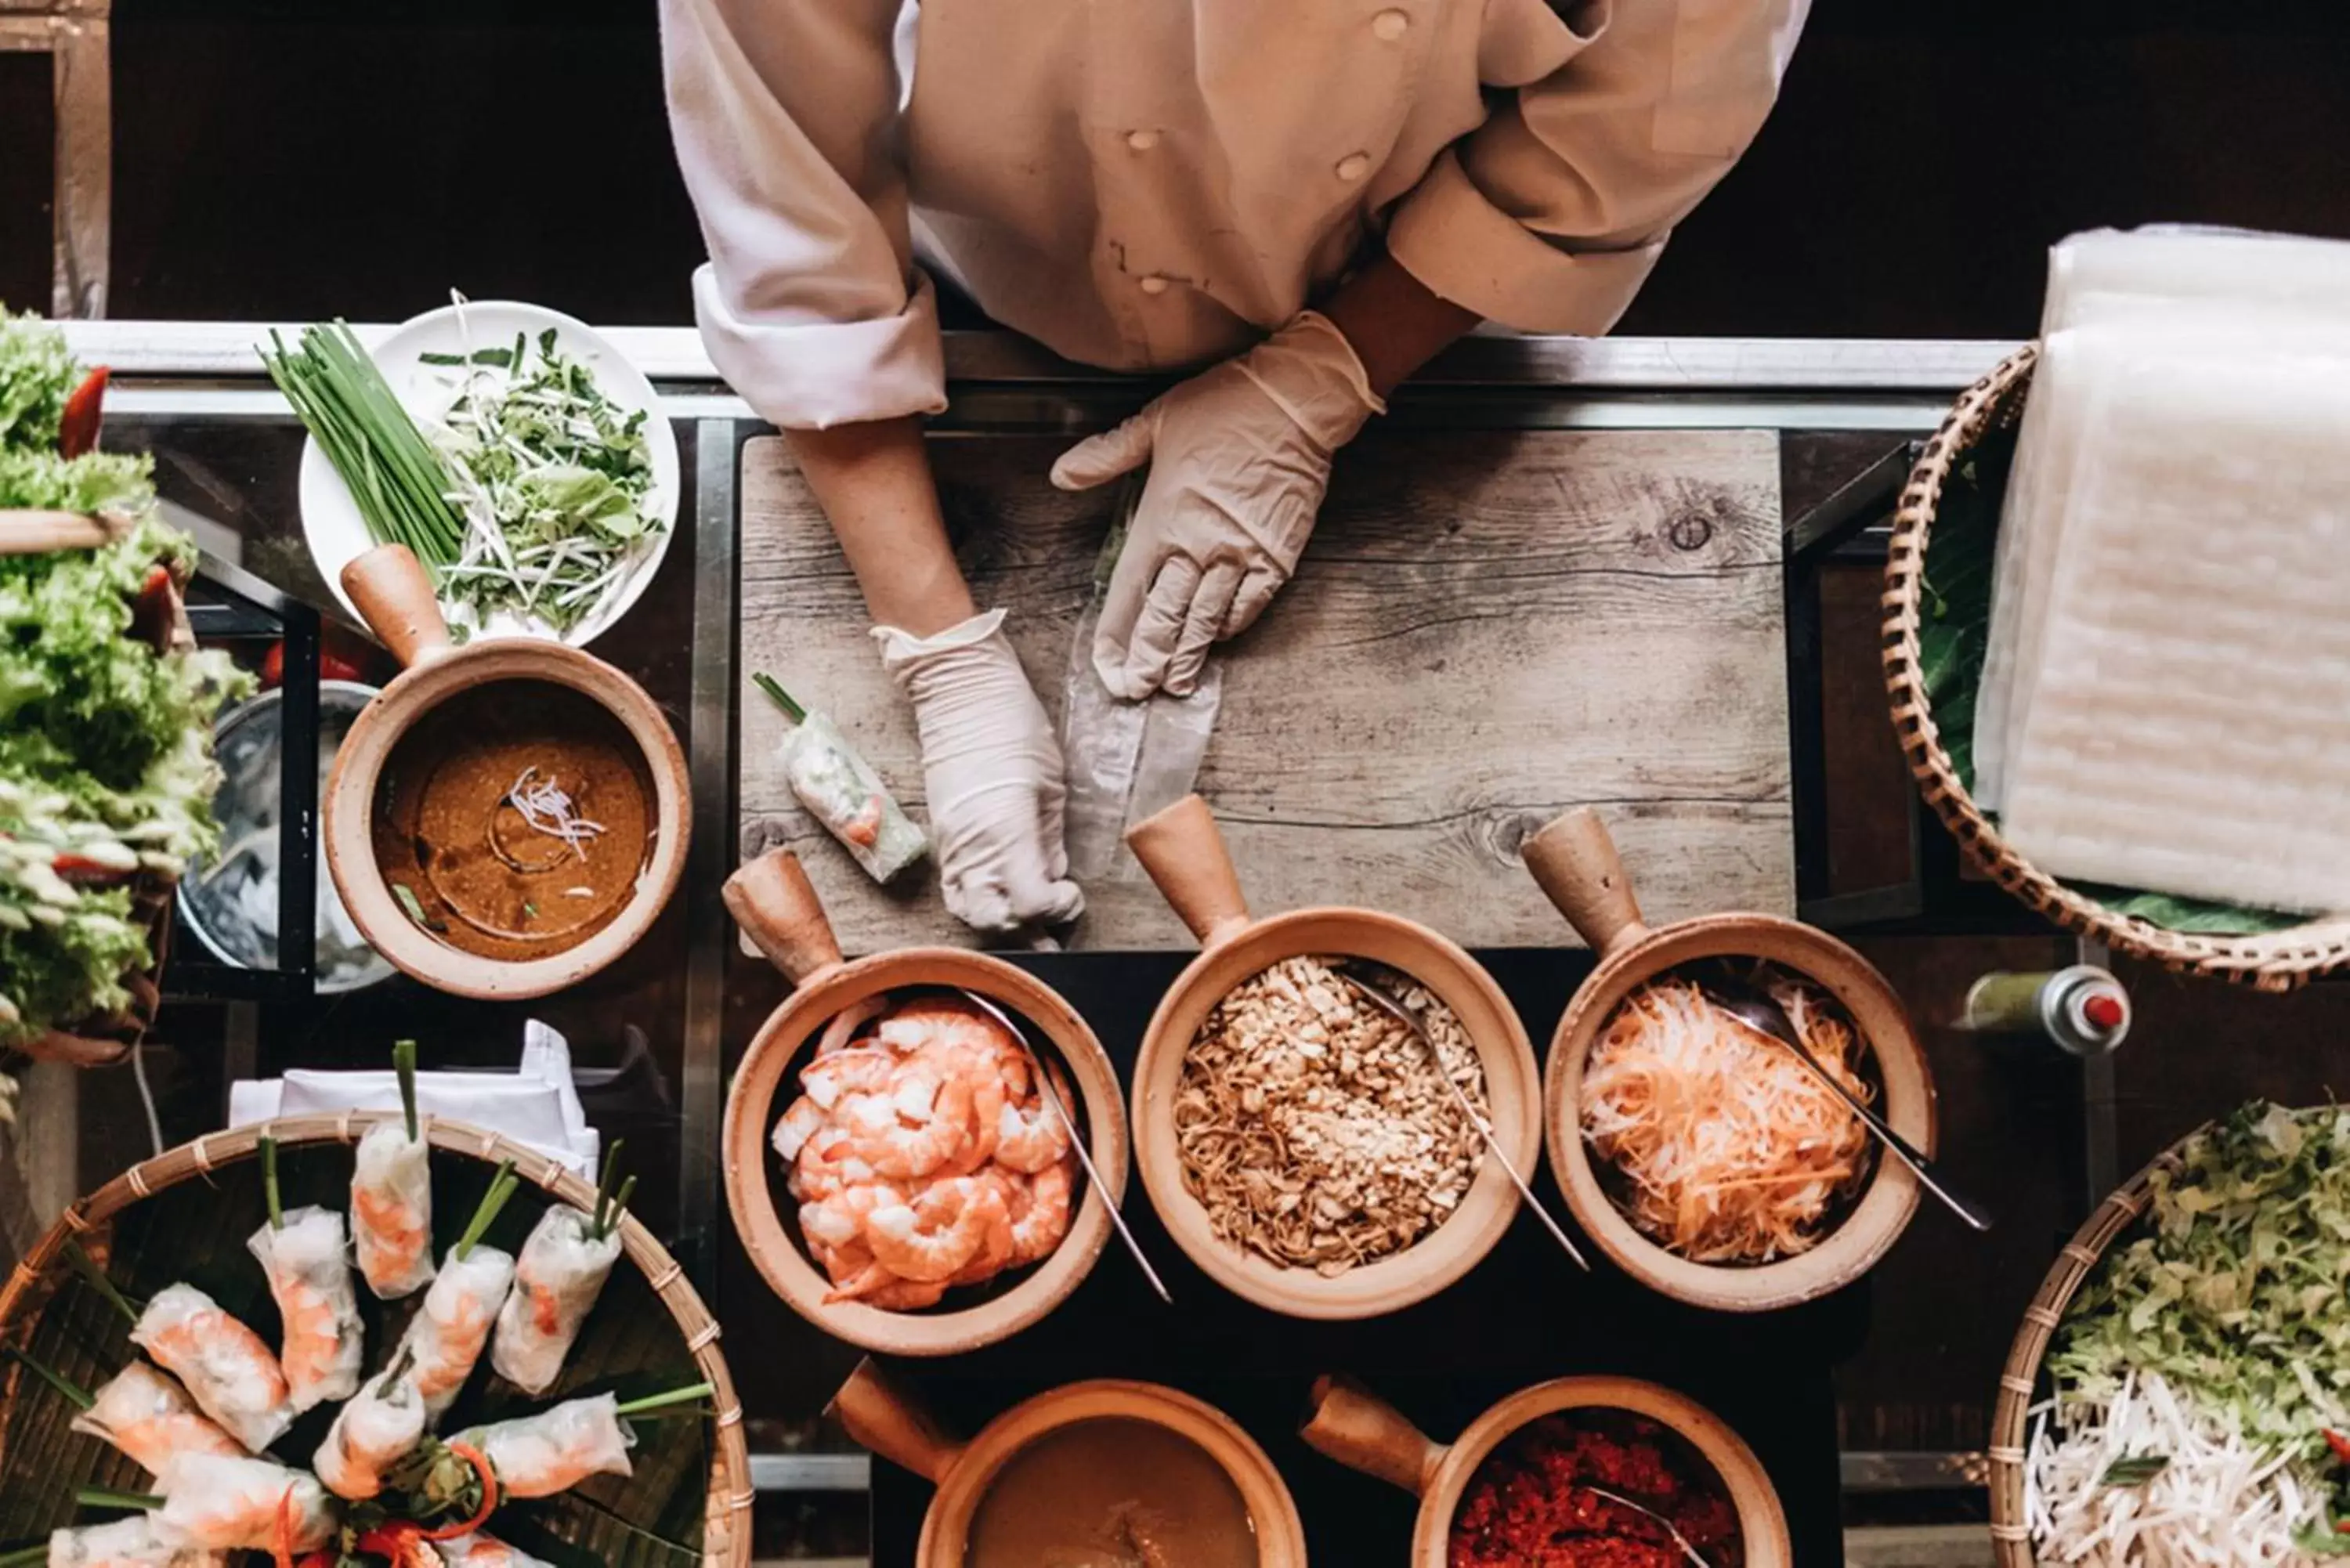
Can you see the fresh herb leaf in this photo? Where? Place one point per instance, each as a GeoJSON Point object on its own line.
{"type": "Point", "coordinates": [440, 359]}
{"type": "Point", "coordinates": [415, 908]}
{"type": "Point", "coordinates": [2135, 1469]}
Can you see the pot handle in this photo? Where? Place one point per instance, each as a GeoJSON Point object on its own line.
{"type": "Point", "coordinates": [1575, 861]}
{"type": "Point", "coordinates": [884, 1417]}
{"type": "Point", "coordinates": [1185, 855]}
{"type": "Point", "coordinates": [393, 594]}
{"type": "Point", "coordinates": [1364, 1432]}
{"type": "Point", "coordinates": [773, 902]}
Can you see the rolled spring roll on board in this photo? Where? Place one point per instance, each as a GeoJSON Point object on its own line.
{"type": "Point", "coordinates": [375, 1430]}
{"type": "Point", "coordinates": [305, 1260]}
{"type": "Point", "coordinates": [558, 1274]}
{"type": "Point", "coordinates": [554, 1450]}
{"type": "Point", "coordinates": [450, 1331]}
{"type": "Point", "coordinates": [130, 1542]}
{"type": "Point", "coordinates": [149, 1417]}
{"type": "Point", "coordinates": [839, 788]}
{"type": "Point", "coordinates": [223, 1365]}
{"type": "Point", "coordinates": [2189, 729]}
{"type": "Point", "coordinates": [230, 1504]}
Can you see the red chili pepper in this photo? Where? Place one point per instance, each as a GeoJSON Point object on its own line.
{"type": "Point", "coordinates": [82, 869]}
{"type": "Point", "coordinates": [78, 427]}
{"type": "Point", "coordinates": [332, 666]}
{"type": "Point", "coordinates": [281, 1543]}
{"type": "Point", "coordinates": [2339, 1443]}
{"type": "Point", "coordinates": [489, 1478]}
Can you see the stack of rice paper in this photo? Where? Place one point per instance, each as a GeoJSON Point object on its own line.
{"type": "Point", "coordinates": [2166, 690]}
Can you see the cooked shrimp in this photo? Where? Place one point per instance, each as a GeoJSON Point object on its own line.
{"type": "Point", "coordinates": [838, 1219]}
{"type": "Point", "coordinates": [802, 1122]}
{"type": "Point", "coordinates": [906, 1295]}
{"type": "Point", "coordinates": [1036, 1232]}
{"type": "Point", "coordinates": [224, 1366]}
{"type": "Point", "coordinates": [942, 1022]}
{"type": "Point", "coordinates": [839, 1034]}
{"type": "Point", "coordinates": [854, 1070]}
{"type": "Point", "coordinates": [996, 1245]}
{"type": "Point", "coordinates": [393, 1233]}
{"type": "Point", "coordinates": [828, 1163]}
{"type": "Point", "coordinates": [448, 1334]}
{"type": "Point", "coordinates": [392, 1210]}
{"type": "Point", "coordinates": [1031, 1136]}
{"type": "Point", "coordinates": [941, 1232]}
{"type": "Point", "coordinates": [554, 1450]}
{"type": "Point", "coordinates": [932, 1122]}
{"type": "Point", "coordinates": [149, 1418]}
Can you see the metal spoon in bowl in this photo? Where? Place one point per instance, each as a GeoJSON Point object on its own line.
{"type": "Point", "coordinates": [1620, 1501]}
{"type": "Point", "coordinates": [1411, 1020]}
{"type": "Point", "coordinates": [1077, 1138]}
{"type": "Point", "coordinates": [1754, 1008]}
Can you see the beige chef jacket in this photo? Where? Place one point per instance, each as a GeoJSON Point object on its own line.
{"type": "Point", "coordinates": [1142, 184]}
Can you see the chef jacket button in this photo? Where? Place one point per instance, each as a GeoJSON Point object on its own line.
{"type": "Point", "coordinates": [1390, 25]}
{"type": "Point", "coordinates": [1353, 166]}
{"type": "Point", "coordinates": [1142, 141]}
{"type": "Point", "coordinates": [1154, 284]}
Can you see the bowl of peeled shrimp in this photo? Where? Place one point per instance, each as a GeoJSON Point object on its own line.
{"type": "Point", "coordinates": [900, 1139]}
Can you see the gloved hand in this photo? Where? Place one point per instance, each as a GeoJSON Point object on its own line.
{"type": "Point", "coordinates": [992, 771]}
{"type": "Point", "coordinates": [1238, 456]}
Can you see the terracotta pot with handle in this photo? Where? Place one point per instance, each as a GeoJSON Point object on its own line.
{"type": "Point", "coordinates": [392, 592]}
{"type": "Point", "coordinates": [889, 1421]}
{"type": "Point", "coordinates": [1364, 1433]}
{"type": "Point", "coordinates": [771, 899]}
{"type": "Point", "coordinates": [1574, 860]}
{"type": "Point", "coordinates": [1185, 856]}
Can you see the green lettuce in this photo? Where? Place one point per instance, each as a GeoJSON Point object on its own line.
{"type": "Point", "coordinates": [37, 376]}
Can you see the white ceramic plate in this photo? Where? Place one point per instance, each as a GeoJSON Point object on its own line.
{"type": "Point", "coordinates": [330, 518]}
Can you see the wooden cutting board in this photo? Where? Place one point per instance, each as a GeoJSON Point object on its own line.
{"type": "Point", "coordinates": [1489, 627]}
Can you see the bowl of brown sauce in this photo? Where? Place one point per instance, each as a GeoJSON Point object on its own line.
{"type": "Point", "coordinates": [1100, 1472]}
{"type": "Point", "coordinates": [509, 816]}
{"type": "Point", "coordinates": [1628, 1471]}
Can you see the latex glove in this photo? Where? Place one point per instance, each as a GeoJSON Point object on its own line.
{"type": "Point", "coordinates": [992, 770]}
{"type": "Point", "coordinates": [1238, 456]}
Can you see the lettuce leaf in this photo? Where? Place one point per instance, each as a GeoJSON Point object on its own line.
{"type": "Point", "coordinates": [37, 374]}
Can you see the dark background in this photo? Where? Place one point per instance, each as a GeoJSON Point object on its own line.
{"type": "Point", "coordinates": [278, 161]}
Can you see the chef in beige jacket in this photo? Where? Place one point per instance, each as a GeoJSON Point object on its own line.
{"type": "Point", "coordinates": [1299, 202]}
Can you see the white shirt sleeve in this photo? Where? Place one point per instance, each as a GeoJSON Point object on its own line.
{"type": "Point", "coordinates": [1549, 217]}
{"type": "Point", "coordinates": [785, 114]}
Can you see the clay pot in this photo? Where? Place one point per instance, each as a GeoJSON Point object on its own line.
{"type": "Point", "coordinates": [1575, 862]}
{"type": "Point", "coordinates": [890, 1422]}
{"type": "Point", "coordinates": [1364, 1433]}
{"type": "Point", "coordinates": [392, 592]}
{"type": "Point", "coordinates": [771, 899]}
{"type": "Point", "coordinates": [1185, 856]}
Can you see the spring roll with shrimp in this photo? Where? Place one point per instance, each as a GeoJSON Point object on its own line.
{"type": "Point", "coordinates": [305, 1262]}
{"type": "Point", "coordinates": [448, 1333]}
{"type": "Point", "coordinates": [380, 1426]}
{"type": "Point", "coordinates": [392, 1210]}
{"type": "Point", "coordinates": [487, 1551]}
{"type": "Point", "coordinates": [558, 1274]}
{"type": "Point", "coordinates": [221, 1364]}
{"type": "Point", "coordinates": [150, 1418]}
{"type": "Point", "coordinates": [554, 1450]}
{"type": "Point", "coordinates": [131, 1543]}
{"type": "Point", "coordinates": [228, 1504]}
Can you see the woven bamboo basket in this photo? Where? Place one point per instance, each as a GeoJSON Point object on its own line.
{"type": "Point", "coordinates": [186, 1213]}
{"type": "Point", "coordinates": [2270, 960]}
{"type": "Point", "coordinates": [2019, 1380]}
{"type": "Point", "coordinates": [96, 1041]}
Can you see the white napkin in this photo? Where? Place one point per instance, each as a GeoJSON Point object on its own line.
{"type": "Point", "coordinates": [537, 1105]}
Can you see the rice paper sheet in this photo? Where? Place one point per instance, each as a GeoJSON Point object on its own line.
{"type": "Point", "coordinates": [554, 1450]}
{"type": "Point", "coordinates": [841, 791]}
{"type": "Point", "coordinates": [392, 1210]}
{"type": "Point", "coordinates": [227, 1505]}
{"type": "Point", "coordinates": [558, 1274]}
{"type": "Point", "coordinates": [125, 1543]}
{"type": "Point", "coordinates": [487, 1551]}
{"type": "Point", "coordinates": [307, 1261]}
{"type": "Point", "coordinates": [2189, 727]}
{"type": "Point", "coordinates": [224, 1366]}
{"type": "Point", "coordinates": [150, 1418]}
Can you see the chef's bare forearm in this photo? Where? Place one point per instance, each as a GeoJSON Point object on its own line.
{"type": "Point", "coordinates": [1396, 323]}
{"type": "Point", "coordinates": [874, 483]}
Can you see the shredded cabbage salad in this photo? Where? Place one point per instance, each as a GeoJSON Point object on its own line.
{"type": "Point", "coordinates": [2201, 1412]}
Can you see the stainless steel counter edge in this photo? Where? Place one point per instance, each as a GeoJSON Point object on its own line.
{"type": "Point", "coordinates": [224, 349]}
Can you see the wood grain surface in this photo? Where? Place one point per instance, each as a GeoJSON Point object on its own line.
{"type": "Point", "coordinates": [1489, 627]}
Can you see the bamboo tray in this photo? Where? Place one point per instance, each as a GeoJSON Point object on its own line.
{"type": "Point", "coordinates": [2270, 960]}
{"type": "Point", "coordinates": [185, 1214]}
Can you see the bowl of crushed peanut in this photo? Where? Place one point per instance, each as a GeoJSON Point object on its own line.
{"type": "Point", "coordinates": [1306, 1100]}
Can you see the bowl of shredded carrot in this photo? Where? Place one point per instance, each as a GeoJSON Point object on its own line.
{"type": "Point", "coordinates": [1698, 1150]}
